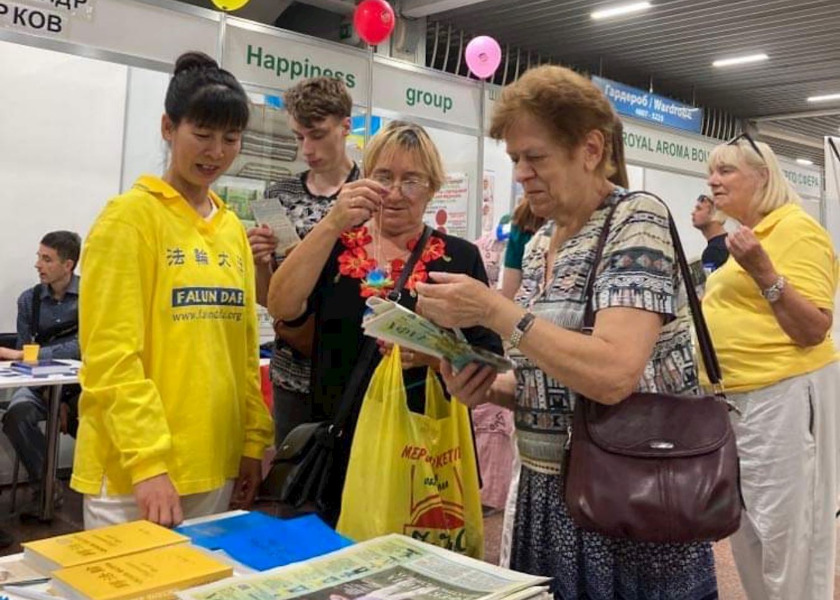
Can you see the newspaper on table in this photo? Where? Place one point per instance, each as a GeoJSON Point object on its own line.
{"type": "Point", "coordinates": [268, 211]}
{"type": "Point", "coordinates": [394, 323]}
{"type": "Point", "coordinates": [19, 571]}
{"type": "Point", "coordinates": [392, 567]}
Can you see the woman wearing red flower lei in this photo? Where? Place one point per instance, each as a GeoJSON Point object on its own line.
{"type": "Point", "coordinates": [359, 250]}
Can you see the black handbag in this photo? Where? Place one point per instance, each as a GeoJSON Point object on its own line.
{"type": "Point", "coordinates": [302, 469]}
{"type": "Point", "coordinates": [655, 467]}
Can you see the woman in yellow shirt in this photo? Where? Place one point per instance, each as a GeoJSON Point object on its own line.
{"type": "Point", "coordinates": [172, 422]}
{"type": "Point", "coordinates": [769, 309]}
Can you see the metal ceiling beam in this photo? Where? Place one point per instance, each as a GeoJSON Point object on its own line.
{"type": "Point", "coordinates": [828, 112]}
{"type": "Point", "coordinates": [261, 12]}
{"type": "Point", "coordinates": [336, 6]}
{"type": "Point", "coordinates": [787, 136]}
{"type": "Point", "coordinates": [424, 8]}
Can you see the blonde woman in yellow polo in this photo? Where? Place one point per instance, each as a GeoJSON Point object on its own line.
{"type": "Point", "coordinates": [770, 309]}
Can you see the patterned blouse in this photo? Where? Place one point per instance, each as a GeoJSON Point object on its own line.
{"type": "Point", "coordinates": [638, 270]}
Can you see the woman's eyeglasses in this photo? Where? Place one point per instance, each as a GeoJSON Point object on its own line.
{"type": "Point", "coordinates": [410, 188]}
{"type": "Point", "coordinates": [746, 136]}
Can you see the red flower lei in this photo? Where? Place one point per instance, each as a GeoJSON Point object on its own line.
{"type": "Point", "coordinates": [356, 263]}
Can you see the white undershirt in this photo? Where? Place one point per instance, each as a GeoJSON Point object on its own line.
{"type": "Point", "coordinates": [213, 210]}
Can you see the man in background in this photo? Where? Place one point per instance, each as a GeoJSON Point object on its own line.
{"type": "Point", "coordinates": [48, 315]}
{"type": "Point", "coordinates": [319, 116]}
{"type": "Point", "coordinates": [709, 221]}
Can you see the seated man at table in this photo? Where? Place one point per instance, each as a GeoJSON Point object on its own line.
{"type": "Point", "coordinates": [48, 315]}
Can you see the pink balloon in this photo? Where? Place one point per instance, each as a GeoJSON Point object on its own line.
{"type": "Point", "coordinates": [483, 56]}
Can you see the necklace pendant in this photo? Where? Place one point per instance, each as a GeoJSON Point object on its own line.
{"type": "Point", "coordinates": [378, 279]}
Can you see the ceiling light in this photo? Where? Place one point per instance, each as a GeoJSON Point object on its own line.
{"type": "Point", "coordinates": [825, 98]}
{"type": "Point", "coordinates": [618, 11]}
{"type": "Point", "coordinates": [740, 60]}
{"type": "Point", "coordinates": [804, 161]}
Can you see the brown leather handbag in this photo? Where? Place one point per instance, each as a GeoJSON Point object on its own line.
{"type": "Point", "coordinates": [655, 467]}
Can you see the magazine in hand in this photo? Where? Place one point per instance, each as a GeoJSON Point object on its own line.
{"type": "Point", "coordinates": [269, 211]}
{"type": "Point", "coordinates": [394, 323]}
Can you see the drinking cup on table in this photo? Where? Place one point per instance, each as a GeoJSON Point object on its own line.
{"type": "Point", "coordinates": [30, 352]}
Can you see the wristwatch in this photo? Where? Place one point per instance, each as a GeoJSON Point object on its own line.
{"type": "Point", "coordinates": [774, 292]}
{"type": "Point", "coordinates": [521, 328]}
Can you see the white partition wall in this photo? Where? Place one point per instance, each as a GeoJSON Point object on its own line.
{"type": "Point", "coordinates": [60, 156]}
{"type": "Point", "coordinates": [498, 170]}
{"type": "Point", "coordinates": [680, 194]}
{"type": "Point", "coordinates": [636, 177]}
{"type": "Point", "coordinates": [145, 151]}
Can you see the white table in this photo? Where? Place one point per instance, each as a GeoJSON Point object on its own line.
{"type": "Point", "coordinates": [13, 379]}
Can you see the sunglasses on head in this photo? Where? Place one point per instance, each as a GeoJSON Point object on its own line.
{"type": "Point", "coordinates": [746, 136]}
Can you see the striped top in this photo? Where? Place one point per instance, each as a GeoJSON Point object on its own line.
{"type": "Point", "coordinates": [638, 270]}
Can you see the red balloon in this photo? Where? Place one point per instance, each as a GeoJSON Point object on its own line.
{"type": "Point", "coordinates": [374, 21]}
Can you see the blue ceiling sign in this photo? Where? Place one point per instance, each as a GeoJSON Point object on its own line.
{"type": "Point", "coordinates": [637, 103]}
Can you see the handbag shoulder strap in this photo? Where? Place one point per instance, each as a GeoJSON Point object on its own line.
{"type": "Point", "coordinates": [704, 340]}
{"type": "Point", "coordinates": [416, 253]}
{"type": "Point", "coordinates": [354, 382]}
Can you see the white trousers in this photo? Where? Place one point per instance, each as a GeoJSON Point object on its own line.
{"type": "Point", "coordinates": [787, 444]}
{"type": "Point", "coordinates": [103, 510]}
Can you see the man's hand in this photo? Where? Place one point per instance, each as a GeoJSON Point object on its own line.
{"type": "Point", "coordinates": [247, 484]}
{"type": "Point", "coordinates": [11, 354]}
{"type": "Point", "coordinates": [159, 501]}
{"type": "Point", "coordinates": [263, 244]}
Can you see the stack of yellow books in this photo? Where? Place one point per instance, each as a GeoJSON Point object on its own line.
{"type": "Point", "coordinates": [121, 562]}
{"type": "Point", "coordinates": [98, 544]}
{"type": "Point", "coordinates": [154, 574]}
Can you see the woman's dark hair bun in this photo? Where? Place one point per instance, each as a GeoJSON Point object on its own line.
{"type": "Point", "coordinates": [194, 60]}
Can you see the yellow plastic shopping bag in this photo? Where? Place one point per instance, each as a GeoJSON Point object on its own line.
{"type": "Point", "coordinates": [410, 473]}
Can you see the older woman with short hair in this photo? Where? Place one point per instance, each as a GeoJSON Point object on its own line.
{"type": "Point", "coordinates": [359, 250]}
{"type": "Point", "coordinates": [770, 309]}
{"type": "Point", "coordinates": [557, 127]}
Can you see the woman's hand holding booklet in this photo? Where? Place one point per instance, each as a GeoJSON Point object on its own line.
{"type": "Point", "coordinates": [394, 323]}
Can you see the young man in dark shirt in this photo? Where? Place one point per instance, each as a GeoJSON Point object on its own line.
{"type": "Point", "coordinates": [319, 116]}
{"type": "Point", "coordinates": [709, 221]}
{"type": "Point", "coordinates": [48, 315]}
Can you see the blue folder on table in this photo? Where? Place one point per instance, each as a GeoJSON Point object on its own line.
{"type": "Point", "coordinates": [263, 542]}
